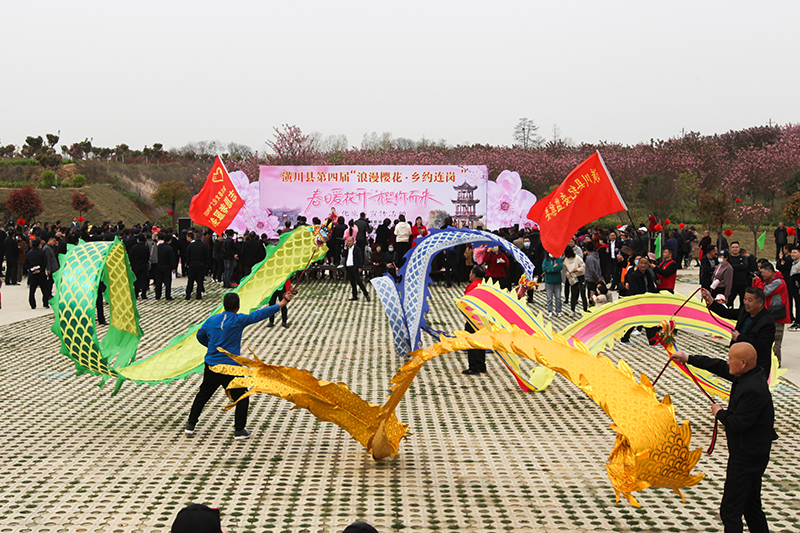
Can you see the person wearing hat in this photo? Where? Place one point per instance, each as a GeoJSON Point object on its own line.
{"type": "Point", "coordinates": [197, 518]}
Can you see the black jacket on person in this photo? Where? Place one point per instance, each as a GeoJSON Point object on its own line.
{"type": "Point", "coordinates": [707, 267]}
{"type": "Point", "coordinates": [741, 270]}
{"type": "Point", "coordinates": [229, 249]}
{"type": "Point", "coordinates": [383, 236]}
{"type": "Point", "coordinates": [760, 333]}
{"type": "Point", "coordinates": [11, 248]}
{"type": "Point", "coordinates": [749, 419]}
{"type": "Point", "coordinates": [363, 229]}
{"type": "Point", "coordinates": [197, 253]}
{"type": "Point", "coordinates": [166, 256]}
{"type": "Point", "coordinates": [35, 257]}
{"type": "Point", "coordinates": [358, 257]}
{"type": "Point", "coordinates": [140, 256]}
{"type": "Point", "coordinates": [251, 253]}
{"type": "Point", "coordinates": [640, 283]}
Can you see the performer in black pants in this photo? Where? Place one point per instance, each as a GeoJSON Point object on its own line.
{"type": "Point", "coordinates": [197, 258]}
{"type": "Point", "coordinates": [749, 427]}
{"type": "Point", "coordinates": [353, 261]}
{"type": "Point", "coordinates": [275, 298]}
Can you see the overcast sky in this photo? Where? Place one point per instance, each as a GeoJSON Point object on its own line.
{"type": "Point", "coordinates": [465, 71]}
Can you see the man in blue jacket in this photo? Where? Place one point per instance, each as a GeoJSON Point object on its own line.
{"type": "Point", "coordinates": [224, 330]}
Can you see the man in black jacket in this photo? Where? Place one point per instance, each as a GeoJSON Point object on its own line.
{"type": "Point", "coordinates": [12, 257]}
{"type": "Point", "coordinates": [353, 261]}
{"type": "Point", "coordinates": [140, 264]}
{"type": "Point", "coordinates": [749, 428]}
{"type": "Point", "coordinates": [708, 265]}
{"type": "Point", "coordinates": [639, 281]}
{"type": "Point", "coordinates": [781, 239]}
{"type": "Point", "coordinates": [167, 264]}
{"type": "Point", "coordinates": [196, 258]}
{"type": "Point", "coordinates": [741, 273]}
{"type": "Point", "coordinates": [754, 324]}
{"type": "Point", "coordinates": [36, 268]}
{"type": "Point", "coordinates": [229, 252]}
{"type": "Point", "coordinates": [251, 254]}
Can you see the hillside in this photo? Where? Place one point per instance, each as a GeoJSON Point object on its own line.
{"type": "Point", "coordinates": [110, 204]}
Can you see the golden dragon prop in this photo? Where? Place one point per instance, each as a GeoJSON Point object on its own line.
{"type": "Point", "coordinates": [651, 449]}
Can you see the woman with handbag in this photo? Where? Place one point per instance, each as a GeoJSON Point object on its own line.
{"type": "Point", "coordinates": [575, 268]}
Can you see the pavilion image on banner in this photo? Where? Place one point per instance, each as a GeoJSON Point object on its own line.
{"type": "Point", "coordinates": [430, 192]}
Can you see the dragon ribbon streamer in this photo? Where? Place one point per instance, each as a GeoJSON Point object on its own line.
{"type": "Point", "coordinates": [77, 282]}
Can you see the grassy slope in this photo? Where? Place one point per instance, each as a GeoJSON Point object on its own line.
{"type": "Point", "coordinates": [110, 204]}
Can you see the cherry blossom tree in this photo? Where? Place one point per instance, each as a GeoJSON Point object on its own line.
{"type": "Point", "coordinates": [752, 217]}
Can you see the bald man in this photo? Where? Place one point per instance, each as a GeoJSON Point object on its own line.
{"type": "Point", "coordinates": [749, 428]}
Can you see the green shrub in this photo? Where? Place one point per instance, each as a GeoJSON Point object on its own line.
{"type": "Point", "coordinates": [78, 180]}
{"type": "Point", "coordinates": [18, 162]}
{"type": "Point", "coordinates": [48, 178]}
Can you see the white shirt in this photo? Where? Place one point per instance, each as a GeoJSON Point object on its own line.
{"type": "Point", "coordinates": [349, 262]}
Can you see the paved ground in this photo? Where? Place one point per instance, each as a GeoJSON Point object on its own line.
{"type": "Point", "coordinates": [483, 455]}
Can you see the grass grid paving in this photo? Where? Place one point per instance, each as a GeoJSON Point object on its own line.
{"type": "Point", "coordinates": [483, 455]}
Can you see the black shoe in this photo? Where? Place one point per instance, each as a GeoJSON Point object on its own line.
{"type": "Point", "coordinates": [189, 428]}
{"type": "Point", "coordinates": [47, 306]}
{"type": "Point", "coordinates": [482, 370]}
{"type": "Point", "coordinates": [285, 324]}
{"type": "Point", "coordinates": [102, 322]}
{"type": "Point", "coordinates": [169, 299]}
{"type": "Point", "coordinates": [352, 299]}
{"type": "Point", "coordinates": [188, 298]}
{"type": "Point", "coordinates": [471, 372]}
{"type": "Point", "coordinates": [241, 434]}
{"type": "Point", "coordinates": [199, 298]}
{"type": "Point", "coordinates": [367, 297]}
{"type": "Point", "coordinates": [269, 325]}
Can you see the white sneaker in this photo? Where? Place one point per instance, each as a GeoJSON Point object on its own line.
{"type": "Point", "coordinates": [550, 315]}
{"type": "Point", "coordinates": [558, 315]}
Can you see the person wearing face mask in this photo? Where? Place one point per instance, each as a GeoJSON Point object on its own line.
{"type": "Point", "coordinates": [552, 266]}
{"type": "Point", "coordinates": [496, 265]}
{"type": "Point", "coordinates": [389, 258]}
{"type": "Point", "coordinates": [530, 253]}
{"type": "Point", "coordinates": [723, 276]}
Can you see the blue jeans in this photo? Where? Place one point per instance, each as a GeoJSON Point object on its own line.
{"type": "Point", "coordinates": [228, 276]}
{"type": "Point", "coordinates": [553, 291]}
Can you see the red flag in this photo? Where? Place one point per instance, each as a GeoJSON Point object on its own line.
{"type": "Point", "coordinates": [587, 194]}
{"type": "Point", "coordinates": [217, 202]}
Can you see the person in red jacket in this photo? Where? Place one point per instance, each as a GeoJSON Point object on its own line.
{"type": "Point", "coordinates": [476, 358]}
{"type": "Point", "coordinates": [667, 272]}
{"type": "Point", "coordinates": [776, 296]}
{"type": "Point", "coordinates": [496, 265]}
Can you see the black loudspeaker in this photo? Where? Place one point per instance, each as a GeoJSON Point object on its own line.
{"type": "Point", "coordinates": [184, 223]}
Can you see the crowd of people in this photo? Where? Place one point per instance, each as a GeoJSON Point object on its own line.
{"type": "Point", "coordinates": [595, 262]}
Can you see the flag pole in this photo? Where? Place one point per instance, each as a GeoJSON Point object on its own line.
{"type": "Point", "coordinates": [244, 204]}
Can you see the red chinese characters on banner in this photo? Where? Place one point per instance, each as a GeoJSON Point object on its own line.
{"type": "Point", "coordinates": [218, 202]}
{"type": "Point", "coordinates": [587, 194]}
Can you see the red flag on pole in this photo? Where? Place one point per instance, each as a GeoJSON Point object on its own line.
{"type": "Point", "coordinates": [587, 194]}
{"type": "Point", "coordinates": [217, 202]}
